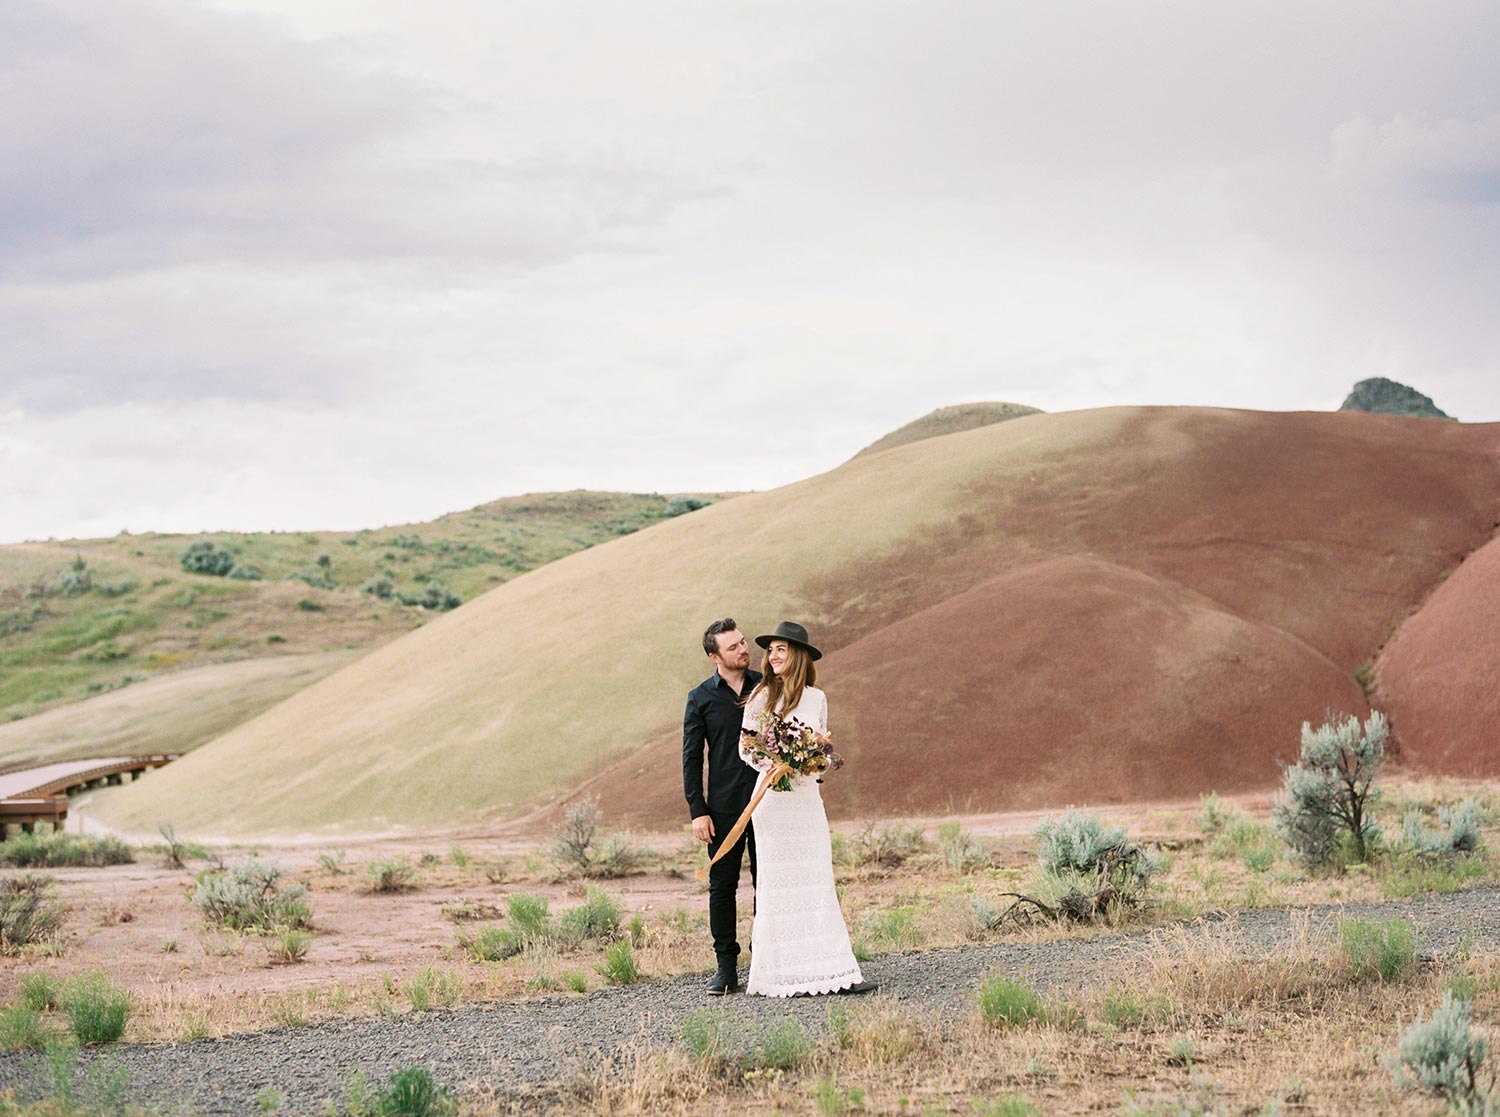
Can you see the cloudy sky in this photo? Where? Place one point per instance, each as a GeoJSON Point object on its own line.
{"type": "Point", "coordinates": [344, 263]}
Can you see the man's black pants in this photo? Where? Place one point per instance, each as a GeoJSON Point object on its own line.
{"type": "Point", "coordinates": [723, 883]}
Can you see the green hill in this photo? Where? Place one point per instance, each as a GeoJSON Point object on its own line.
{"type": "Point", "coordinates": [85, 617]}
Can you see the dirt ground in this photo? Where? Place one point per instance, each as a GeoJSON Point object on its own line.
{"type": "Point", "coordinates": [188, 979]}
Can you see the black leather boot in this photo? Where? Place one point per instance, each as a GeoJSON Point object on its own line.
{"type": "Point", "coordinates": [725, 980]}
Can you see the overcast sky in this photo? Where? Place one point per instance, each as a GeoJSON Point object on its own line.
{"type": "Point", "coordinates": [333, 264]}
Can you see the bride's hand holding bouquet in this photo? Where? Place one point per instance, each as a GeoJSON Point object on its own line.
{"type": "Point", "coordinates": [787, 747]}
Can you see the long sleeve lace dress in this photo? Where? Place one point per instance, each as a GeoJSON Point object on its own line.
{"type": "Point", "coordinates": [799, 942]}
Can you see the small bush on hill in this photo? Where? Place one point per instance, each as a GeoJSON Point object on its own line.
{"type": "Point", "coordinates": [435, 596]}
{"type": "Point", "coordinates": [205, 557]}
{"type": "Point", "coordinates": [77, 580]}
{"type": "Point", "coordinates": [28, 911]}
{"type": "Point", "coordinates": [249, 897]}
{"type": "Point", "coordinates": [1457, 831]}
{"type": "Point", "coordinates": [680, 505]}
{"type": "Point", "coordinates": [1327, 795]}
{"type": "Point", "coordinates": [380, 586]}
{"type": "Point", "coordinates": [1442, 1056]}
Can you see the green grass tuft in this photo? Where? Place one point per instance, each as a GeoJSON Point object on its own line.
{"type": "Point", "coordinates": [1005, 1003]}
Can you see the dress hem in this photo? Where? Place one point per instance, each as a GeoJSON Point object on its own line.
{"type": "Point", "coordinates": [810, 989]}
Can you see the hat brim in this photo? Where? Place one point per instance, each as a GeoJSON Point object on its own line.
{"type": "Point", "coordinates": [813, 653]}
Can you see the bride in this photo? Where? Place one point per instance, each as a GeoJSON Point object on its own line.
{"type": "Point", "coordinates": [799, 943]}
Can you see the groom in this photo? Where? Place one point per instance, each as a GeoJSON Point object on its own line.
{"type": "Point", "coordinates": [711, 728]}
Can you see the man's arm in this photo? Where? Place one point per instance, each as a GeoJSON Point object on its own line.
{"type": "Point", "coordinates": [694, 735]}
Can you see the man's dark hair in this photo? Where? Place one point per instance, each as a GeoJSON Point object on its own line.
{"type": "Point", "coordinates": [711, 634]}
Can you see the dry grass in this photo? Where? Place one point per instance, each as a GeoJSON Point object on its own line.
{"type": "Point", "coordinates": [1289, 1034]}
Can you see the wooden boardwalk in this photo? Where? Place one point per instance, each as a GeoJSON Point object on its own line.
{"type": "Point", "coordinates": [29, 795]}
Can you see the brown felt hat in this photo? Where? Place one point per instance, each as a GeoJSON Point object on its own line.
{"type": "Point", "coordinates": [792, 633]}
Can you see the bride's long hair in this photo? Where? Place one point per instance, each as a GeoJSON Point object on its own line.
{"type": "Point", "coordinates": [784, 691]}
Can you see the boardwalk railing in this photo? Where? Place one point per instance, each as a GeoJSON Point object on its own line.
{"type": "Point", "coordinates": [47, 800]}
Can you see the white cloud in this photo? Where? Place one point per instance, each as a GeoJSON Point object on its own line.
{"type": "Point", "coordinates": [381, 264]}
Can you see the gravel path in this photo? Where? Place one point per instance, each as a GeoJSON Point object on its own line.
{"type": "Point", "coordinates": [519, 1047]}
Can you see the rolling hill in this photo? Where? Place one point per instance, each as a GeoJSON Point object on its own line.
{"type": "Point", "coordinates": [1085, 606]}
{"type": "Point", "coordinates": [1439, 679]}
{"type": "Point", "coordinates": [949, 420]}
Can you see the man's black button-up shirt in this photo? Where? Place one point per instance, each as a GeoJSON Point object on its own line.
{"type": "Point", "coordinates": [712, 719]}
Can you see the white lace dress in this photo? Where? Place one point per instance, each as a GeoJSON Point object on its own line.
{"type": "Point", "coordinates": [799, 943]}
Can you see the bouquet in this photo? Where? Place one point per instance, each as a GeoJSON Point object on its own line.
{"type": "Point", "coordinates": [793, 746]}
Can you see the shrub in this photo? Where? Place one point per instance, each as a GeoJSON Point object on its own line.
{"type": "Point", "coordinates": [575, 981]}
{"type": "Point", "coordinates": [573, 836]}
{"type": "Point", "coordinates": [1213, 816]}
{"type": "Point", "coordinates": [619, 965]}
{"type": "Point", "coordinates": [1005, 1003]}
{"type": "Point", "coordinates": [1457, 831]}
{"type": "Point", "coordinates": [577, 844]}
{"type": "Point", "coordinates": [1090, 868]}
{"type": "Point", "coordinates": [395, 875]}
{"type": "Point", "coordinates": [287, 944]}
{"type": "Point", "coordinates": [96, 1009]}
{"type": "Point", "coordinates": [58, 849]}
{"type": "Point", "coordinates": [1443, 1056]}
{"type": "Point", "coordinates": [680, 505]}
{"type": "Point", "coordinates": [598, 917]}
{"type": "Point", "coordinates": [248, 896]}
{"type": "Point", "coordinates": [433, 596]}
{"type": "Point", "coordinates": [962, 851]}
{"type": "Point", "coordinates": [1377, 949]}
{"type": "Point", "coordinates": [381, 586]}
{"type": "Point", "coordinates": [1328, 794]}
{"type": "Point", "coordinates": [618, 856]}
{"type": "Point", "coordinates": [888, 846]}
{"type": "Point", "coordinates": [205, 557]}
{"type": "Point", "coordinates": [29, 913]}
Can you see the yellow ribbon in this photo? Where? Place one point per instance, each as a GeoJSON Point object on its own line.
{"type": "Point", "coordinates": [766, 783]}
